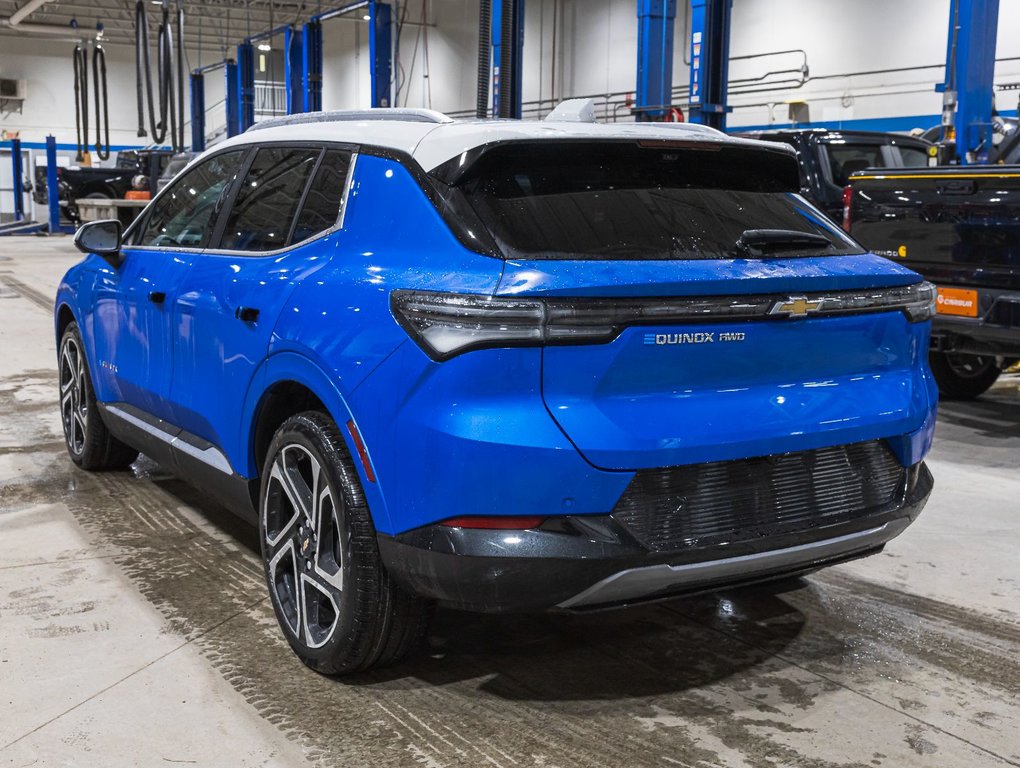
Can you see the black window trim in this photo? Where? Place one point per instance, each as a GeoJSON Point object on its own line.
{"type": "Point", "coordinates": [221, 215]}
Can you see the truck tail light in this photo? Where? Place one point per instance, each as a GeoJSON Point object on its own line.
{"type": "Point", "coordinates": [848, 198]}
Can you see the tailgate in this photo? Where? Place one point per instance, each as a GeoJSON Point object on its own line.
{"type": "Point", "coordinates": [672, 393]}
{"type": "Point", "coordinates": [957, 227]}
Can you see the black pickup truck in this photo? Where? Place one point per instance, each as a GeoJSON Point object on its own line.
{"type": "Point", "coordinates": [828, 157]}
{"type": "Point", "coordinates": [960, 228]}
{"type": "Point", "coordinates": [97, 183]}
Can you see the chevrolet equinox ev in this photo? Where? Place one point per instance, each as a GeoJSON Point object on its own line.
{"type": "Point", "coordinates": [502, 366]}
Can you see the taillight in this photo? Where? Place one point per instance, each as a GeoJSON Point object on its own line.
{"type": "Point", "coordinates": [519, 523]}
{"type": "Point", "coordinates": [447, 324]}
{"type": "Point", "coordinates": [848, 197]}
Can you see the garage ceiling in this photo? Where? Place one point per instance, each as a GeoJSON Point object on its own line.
{"type": "Point", "coordinates": [210, 25]}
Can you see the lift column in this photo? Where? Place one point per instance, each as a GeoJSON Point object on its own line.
{"type": "Point", "coordinates": [380, 52]}
{"type": "Point", "coordinates": [655, 57]}
{"type": "Point", "coordinates": [710, 57]}
{"type": "Point", "coordinates": [970, 68]}
{"type": "Point", "coordinates": [18, 189]}
{"type": "Point", "coordinates": [245, 86]}
{"type": "Point", "coordinates": [233, 100]}
{"type": "Point", "coordinates": [311, 67]}
{"type": "Point", "coordinates": [292, 70]}
{"type": "Point", "coordinates": [52, 186]}
{"type": "Point", "coordinates": [507, 57]}
{"type": "Point", "coordinates": [197, 81]}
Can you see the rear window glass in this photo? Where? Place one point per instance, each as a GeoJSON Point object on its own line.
{"type": "Point", "coordinates": [913, 157]}
{"type": "Point", "coordinates": [321, 208]}
{"type": "Point", "coordinates": [845, 159]}
{"type": "Point", "coordinates": [654, 200]}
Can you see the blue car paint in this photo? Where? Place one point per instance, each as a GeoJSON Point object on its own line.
{"type": "Point", "coordinates": [701, 277]}
{"type": "Point", "coordinates": [485, 433]}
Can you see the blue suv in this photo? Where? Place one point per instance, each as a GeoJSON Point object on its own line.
{"type": "Point", "coordinates": [502, 366]}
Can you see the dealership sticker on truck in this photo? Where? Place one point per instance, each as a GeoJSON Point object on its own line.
{"type": "Point", "coordinates": [957, 301]}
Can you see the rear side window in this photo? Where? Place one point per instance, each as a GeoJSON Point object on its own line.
{"type": "Point", "coordinates": [845, 159]}
{"type": "Point", "coordinates": [268, 199]}
{"type": "Point", "coordinates": [647, 200]}
{"type": "Point", "coordinates": [321, 207]}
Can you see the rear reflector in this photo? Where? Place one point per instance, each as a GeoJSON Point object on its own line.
{"type": "Point", "coordinates": [495, 523]}
{"type": "Point", "coordinates": [362, 453]}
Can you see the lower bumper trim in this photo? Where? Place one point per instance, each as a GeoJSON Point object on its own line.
{"type": "Point", "coordinates": [650, 580]}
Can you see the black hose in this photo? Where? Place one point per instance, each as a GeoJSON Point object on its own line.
{"type": "Point", "coordinates": [81, 101]}
{"type": "Point", "coordinates": [506, 58]}
{"type": "Point", "coordinates": [484, 57]}
{"type": "Point", "coordinates": [165, 74]}
{"type": "Point", "coordinates": [103, 115]}
{"type": "Point", "coordinates": [180, 78]}
{"type": "Point", "coordinates": [142, 60]}
{"type": "Point", "coordinates": [141, 31]}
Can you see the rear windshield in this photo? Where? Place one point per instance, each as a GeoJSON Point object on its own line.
{"type": "Point", "coordinates": [646, 200]}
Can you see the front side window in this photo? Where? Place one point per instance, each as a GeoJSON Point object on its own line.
{"type": "Point", "coordinates": [184, 214]}
{"type": "Point", "coordinates": [644, 200]}
{"type": "Point", "coordinates": [268, 199]}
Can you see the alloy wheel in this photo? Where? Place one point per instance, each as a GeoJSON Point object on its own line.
{"type": "Point", "coordinates": [303, 545]}
{"type": "Point", "coordinates": [74, 406]}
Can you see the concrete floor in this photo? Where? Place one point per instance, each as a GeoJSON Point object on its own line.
{"type": "Point", "coordinates": [134, 628]}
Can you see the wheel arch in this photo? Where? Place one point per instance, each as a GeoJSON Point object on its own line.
{"type": "Point", "coordinates": [289, 383]}
{"type": "Point", "coordinates": [62, 318]}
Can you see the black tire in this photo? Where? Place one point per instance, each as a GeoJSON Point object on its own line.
{"type": "Point", "coordinates": [89, 443]}
{"type": "Point", "coordinates": [963, 377]}
{"type": "Point", "coordinates": [336, 605]}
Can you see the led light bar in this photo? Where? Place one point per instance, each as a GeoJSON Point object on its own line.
{"type": "Point", "coordinates": [449, 324]}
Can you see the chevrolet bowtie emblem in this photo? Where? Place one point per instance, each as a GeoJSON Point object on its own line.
{"type": "Point", "coordinates": [795, 306]}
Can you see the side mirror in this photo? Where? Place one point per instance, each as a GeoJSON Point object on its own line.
{"type": "Point", "coordinates": [102, 238]}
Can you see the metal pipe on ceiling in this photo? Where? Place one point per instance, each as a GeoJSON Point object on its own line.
{"type": "Point", "coordinates": [25, 11]}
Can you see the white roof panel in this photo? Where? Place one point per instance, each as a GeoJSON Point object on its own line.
{"type": "Point", "coordinates": [432, 138]}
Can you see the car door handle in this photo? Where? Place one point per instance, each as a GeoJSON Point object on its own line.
{"type": "Point", "coordinates": [157, 297]}
{"type": "Point", "coordinates": [246, 314]}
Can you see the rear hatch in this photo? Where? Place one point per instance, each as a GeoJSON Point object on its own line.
{"type": "Point", "coordinates": [694, 308]}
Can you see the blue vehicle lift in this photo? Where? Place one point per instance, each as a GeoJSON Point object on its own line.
{"type": "Point", "coordinates": [710, 58]}
{"type": "Point", "coordinates": [197, 82]}
{"type": "Point", "coordinates": [970, 69]}
{"type": "Point", "coordinates": [19, 226]}
{"type": "Point", "coordinates": [304, 91]}
{"type": "Point", "coordinates": [507, 57]}
{"type": "Point", "coordinates": [654, 92]}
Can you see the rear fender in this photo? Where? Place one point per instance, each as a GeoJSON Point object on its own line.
{"type": "Point", "coordinates": [291, 366]}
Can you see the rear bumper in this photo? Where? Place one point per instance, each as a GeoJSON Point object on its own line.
{"type": "Point", "coordinates": [594, 562]}
{"type": "Point", "coordinates": [996, 332]}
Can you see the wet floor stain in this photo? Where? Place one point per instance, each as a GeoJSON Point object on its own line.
{"type": "Point", "coordinates": [757, 677]}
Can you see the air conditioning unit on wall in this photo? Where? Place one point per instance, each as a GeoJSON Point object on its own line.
{"type": "Point", "coordinates": [13, 90]}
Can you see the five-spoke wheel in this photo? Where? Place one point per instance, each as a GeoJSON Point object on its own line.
{"type": "Point", "coordinates": [304, 542]}
{"type": "Point", "coordinates": [74, 406]}
{"type": "Point", "coordinates": [334, 600]}
{"type": "Point", "coordinates": [89, 443]}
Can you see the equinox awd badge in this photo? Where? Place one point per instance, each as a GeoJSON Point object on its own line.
{"type": "Point", "coordinates": [699, 337]}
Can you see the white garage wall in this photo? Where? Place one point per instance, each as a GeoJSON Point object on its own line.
{"type": "Point", "coordinates": [593, 51]}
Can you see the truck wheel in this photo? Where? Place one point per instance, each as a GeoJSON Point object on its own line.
{"type": "Point", "coordinates": [89, 443]}
{"type": "Point", "coordinates": [963, 377]}
{"type": "Point", "coordinates": [334, 601]}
